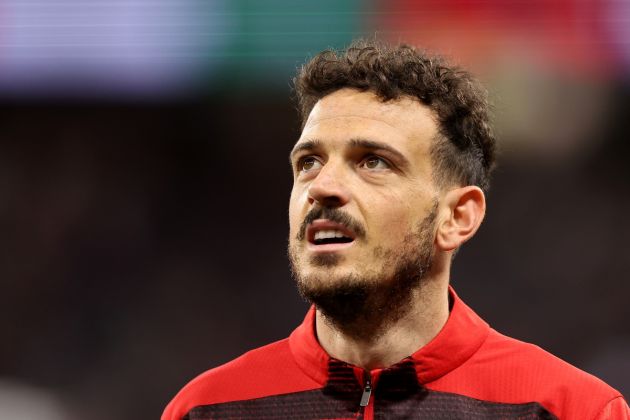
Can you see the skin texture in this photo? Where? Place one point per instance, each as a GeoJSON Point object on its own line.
{"type": "Point", "coordinates": [371, 160]}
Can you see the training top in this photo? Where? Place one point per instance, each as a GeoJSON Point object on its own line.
{"type": "Point", "coordinates": [468, 371]}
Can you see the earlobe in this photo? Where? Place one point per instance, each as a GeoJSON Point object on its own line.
{"type": "Point", "coordinates": [463, 211]}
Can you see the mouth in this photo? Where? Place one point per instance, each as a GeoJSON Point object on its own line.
{"type": "Point", "coordinates": [326, 236]}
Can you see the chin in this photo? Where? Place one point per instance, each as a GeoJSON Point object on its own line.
{"type": "Point", "coordinates": [314, 284]}
{"type": "Point", "coordinates": [328, 260]}
{"type": "Point", "coordinates": [313, 279]}
{"type": "Point", "coordinates": [317, 276]}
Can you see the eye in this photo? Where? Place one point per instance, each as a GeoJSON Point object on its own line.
{"type": "Point", "coordinates": [308, 163]}
{"type": "Point", "coordinates": [375, 163]}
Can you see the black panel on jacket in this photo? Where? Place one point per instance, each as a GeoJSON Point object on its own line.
{"type": "Point", "coordinates": [398, 395]}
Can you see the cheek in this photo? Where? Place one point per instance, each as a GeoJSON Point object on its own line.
{"type": "Point", "coordinates": [393, 214]}
{"type": "Point", "coordinates": [295, 217]}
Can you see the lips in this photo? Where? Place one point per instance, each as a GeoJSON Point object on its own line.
{"type": "Point", "coordinates": [326, 235]}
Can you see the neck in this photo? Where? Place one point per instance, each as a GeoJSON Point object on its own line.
{"type": "Point", "coordinates": [425, 317]}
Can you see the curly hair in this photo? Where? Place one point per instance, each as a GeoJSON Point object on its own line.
{"type": "Point", "coordinates": [464, 151]}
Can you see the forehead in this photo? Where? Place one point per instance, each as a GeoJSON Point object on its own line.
{"type": "Point", "coordinates": [349, 113]}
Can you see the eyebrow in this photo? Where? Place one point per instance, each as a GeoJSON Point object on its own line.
{"type": "Point", "coordinates": [377, 145]}
{"type": "Point", "coordinates": [308, 145]}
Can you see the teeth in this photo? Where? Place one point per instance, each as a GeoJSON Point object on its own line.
{"type": "Point", "coordinates": [325, 234]}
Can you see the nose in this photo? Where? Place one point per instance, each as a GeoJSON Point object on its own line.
{"type": "Point", "coordinates": [328, 189]}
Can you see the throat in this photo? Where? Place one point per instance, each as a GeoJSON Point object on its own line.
{"type": "Point", "coordinates": [365, 346]}
{"type": "Point", "coordinates": [373, 340]}
{"type": "Point", "coordinates": [362, 310]}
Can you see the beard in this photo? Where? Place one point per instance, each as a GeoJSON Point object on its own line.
{"type": "Point", "coordinates": [364, 304]}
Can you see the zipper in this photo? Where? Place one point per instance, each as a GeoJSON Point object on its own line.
{"type": "Point", "coordinates": [367, 393]}
{"type": "Point", "coordinates": [366, 405]}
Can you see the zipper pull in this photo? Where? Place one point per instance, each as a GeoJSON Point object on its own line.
{"type": "Point", "coordinates": [367, 392]}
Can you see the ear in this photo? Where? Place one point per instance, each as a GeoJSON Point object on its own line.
{"type": "Point", "coordinates": [462, 212]}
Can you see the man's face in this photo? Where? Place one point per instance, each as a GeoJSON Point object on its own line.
{"type": "Point", "coordinates": [363, 200]}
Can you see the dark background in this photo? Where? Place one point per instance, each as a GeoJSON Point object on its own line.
{"type": "Point", "coordinates": [143, 232]}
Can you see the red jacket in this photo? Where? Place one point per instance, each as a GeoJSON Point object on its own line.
{"type": "Point", "coordinates": [468, 371]}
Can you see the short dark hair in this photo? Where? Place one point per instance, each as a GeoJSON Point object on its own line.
{"type": "Point", "coordinates": [464, 150]}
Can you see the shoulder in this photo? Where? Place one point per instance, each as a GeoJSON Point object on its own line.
{"type": "Point", "coordinates": [265, 371]}
{"type": "Point", "coordinates": [524, 371]}
{"type": "Point", "coordinates": [532, 361]}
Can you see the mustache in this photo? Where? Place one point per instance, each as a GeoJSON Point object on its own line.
{"type": "Point", "coordinates": [334, 215]}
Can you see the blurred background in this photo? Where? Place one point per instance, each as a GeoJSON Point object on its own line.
{"type": "Point", "coordinates": [144, 184]}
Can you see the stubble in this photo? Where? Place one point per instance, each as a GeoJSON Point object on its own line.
{"type": "Point", "coordinates": [364, 303]}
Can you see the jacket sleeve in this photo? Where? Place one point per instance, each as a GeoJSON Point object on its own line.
{"type": "Point", "coordinates": [615, 409]}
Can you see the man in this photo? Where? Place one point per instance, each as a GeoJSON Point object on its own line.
{"type": "Point", "coordinates": [389, 178]}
